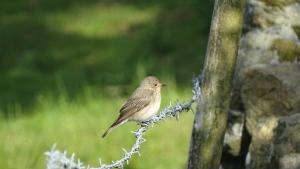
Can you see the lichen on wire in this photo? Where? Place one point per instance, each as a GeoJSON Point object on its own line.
{"type": "Point", "coordinates": [60, 160]}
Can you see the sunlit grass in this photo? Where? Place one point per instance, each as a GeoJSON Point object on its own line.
{"type": "Point", "coordinates": [77, 125]}
{"type": "Point", "coordinates": [103, 20]}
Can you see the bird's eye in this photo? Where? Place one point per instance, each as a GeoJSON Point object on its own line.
{"type": "Point", "coordinates": [155, 84]}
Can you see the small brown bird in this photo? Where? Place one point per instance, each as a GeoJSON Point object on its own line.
{"type": "Point", "coordinates": [141, 105]}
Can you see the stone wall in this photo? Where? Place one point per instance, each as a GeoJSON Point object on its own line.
{"type": "Point", "coordinates": [267, 87]}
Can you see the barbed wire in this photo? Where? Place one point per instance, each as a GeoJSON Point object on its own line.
{"type": "Point", "coordinates": [60, 160]}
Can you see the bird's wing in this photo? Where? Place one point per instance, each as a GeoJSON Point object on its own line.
{"type": "Point", "coordinates": [135, 103]}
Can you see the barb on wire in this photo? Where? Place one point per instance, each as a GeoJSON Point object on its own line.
{"type": "Point", "coordinates": [60, 160]}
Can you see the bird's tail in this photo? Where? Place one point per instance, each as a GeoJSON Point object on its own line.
{"type": "Point", "coordinates": [107, 131]}
{"type": "Point", "coordinates": [117, 123]}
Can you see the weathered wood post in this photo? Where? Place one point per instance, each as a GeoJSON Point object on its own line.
{"type": "Point", "coordinates": [212, 111]}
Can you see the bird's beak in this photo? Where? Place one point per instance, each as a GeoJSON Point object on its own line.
{"type": "Point", "coordinates": [163, 85]}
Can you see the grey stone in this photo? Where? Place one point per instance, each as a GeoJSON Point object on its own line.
{"type": "Point", "coordinates": [234, 131]}
{"type": "Point", "coordinates": [269, 92]}
{"type": "Point", "coordinates": [287, 143]}
{"type": "Point", "coordinates": [290, 161]}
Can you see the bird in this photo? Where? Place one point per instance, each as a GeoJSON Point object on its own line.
{"type": "Point", "coordinates": [143, 103]}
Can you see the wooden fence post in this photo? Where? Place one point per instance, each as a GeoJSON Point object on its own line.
{"type": "Point", "coordinates": [212, 109]}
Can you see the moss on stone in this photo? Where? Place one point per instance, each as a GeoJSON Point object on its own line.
{"type": "Point", "coordinates": [286, 49]}
{"type": "Point", "coordinates": [278, 3]}
{"type": "Point", "coordinates": [261, 21]}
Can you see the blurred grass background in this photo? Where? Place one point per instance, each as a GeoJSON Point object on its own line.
{"type": "Point", "coordinates": [67, 66]}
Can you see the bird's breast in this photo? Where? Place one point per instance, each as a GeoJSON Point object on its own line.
{"type": "Point", "coordinates": [148, 111]}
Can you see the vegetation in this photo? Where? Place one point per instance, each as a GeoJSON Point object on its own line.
{"type": "Point", "coordinates": [297, 30]}
{"type": "Point", "coordinates": [286, 49]}
{"type": "Point", "coordinates": [67, 66]}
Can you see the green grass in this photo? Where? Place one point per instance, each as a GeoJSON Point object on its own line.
{"type": "Point", "coordinates": [76, 126]}
{"type": "Point", "coordinates": [66, 67]}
